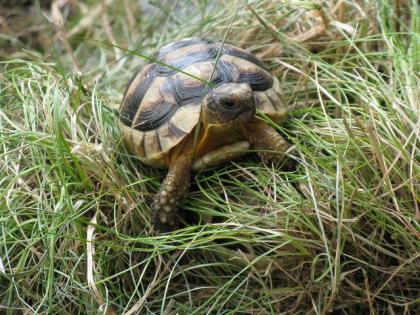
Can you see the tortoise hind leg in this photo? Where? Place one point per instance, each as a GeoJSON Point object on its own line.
{"type": "Point", "coordinates": [272, 145]}
{"type": "Point", "coordinates": [171, 195]}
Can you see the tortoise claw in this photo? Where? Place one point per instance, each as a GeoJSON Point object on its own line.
{"type": "Point", "coordinates": [163, 224]}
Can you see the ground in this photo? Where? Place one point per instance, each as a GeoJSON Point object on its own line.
{"type": "Point", "coordinates": [337, 233]}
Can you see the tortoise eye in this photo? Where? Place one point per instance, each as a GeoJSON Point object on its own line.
{"type": "Point", "coordinates": [228, 104]}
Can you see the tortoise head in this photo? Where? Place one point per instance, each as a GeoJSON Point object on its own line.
{"type": "Point", "coordinates": [229, 103]}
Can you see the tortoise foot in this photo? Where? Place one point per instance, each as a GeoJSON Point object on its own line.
{"type": "Point", "coordinates": [166, 204]}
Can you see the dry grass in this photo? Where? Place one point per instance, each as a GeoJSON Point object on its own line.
{"type": "Point", "coordinates": [340, 233]}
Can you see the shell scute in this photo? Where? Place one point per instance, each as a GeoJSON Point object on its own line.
{"type": "Point", "coordinates": [258, 78]}
{"type": "Point", "coordinates": [271, 102]}
{"type": "Point", "coordinates": [186, 117]}
{"type": "Point", "coordinates": [135, 92]}
{"type": "Point", "coordinates": [155, 117]}
{"type": "Point", "coordinates": [243, 54]}
{"type": "Point", "coordinates": [185, 91]}
{"type": "Point", "coordinates": [184, 57]}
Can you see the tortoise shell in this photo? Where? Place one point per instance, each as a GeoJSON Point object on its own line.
{"type": "Point", "coordinates": [162, 102]}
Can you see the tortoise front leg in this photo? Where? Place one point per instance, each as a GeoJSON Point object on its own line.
{"type": "Point", "coordinates": [271, 145]}
{"type": "Point", "coordinates": [171, 195]}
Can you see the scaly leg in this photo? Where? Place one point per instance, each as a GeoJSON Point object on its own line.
{"type": "Point", "coordinates": [272, 145]}
{"type": "Point", "coordinates": [172, 193]}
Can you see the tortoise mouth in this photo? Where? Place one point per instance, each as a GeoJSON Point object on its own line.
{"type": "Point", "coordinates": [239, 119]}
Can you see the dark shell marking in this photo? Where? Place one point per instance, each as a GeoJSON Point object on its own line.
{"type": "Point", "coordinates": [135, 92]}
{"type": "Point", "coordinates": [187, 57]}
{"type": "Point", "coordinates": [184, 94]}
{"type": "Point", "coordinates": [243, 54]}
{"type": "Point", "coordinates": [155, 117]}
{"type": "Point", "coordinates": [157, 92]}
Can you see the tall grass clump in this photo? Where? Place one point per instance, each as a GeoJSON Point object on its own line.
{"type": "Point", "coordinates": [338, 233]}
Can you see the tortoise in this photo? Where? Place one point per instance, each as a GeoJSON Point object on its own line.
{"type": "Point", "coordinates": [194, 106]}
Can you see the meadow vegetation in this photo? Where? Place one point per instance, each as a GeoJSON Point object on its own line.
{"type": "Point", "coordinates": [338, 233]}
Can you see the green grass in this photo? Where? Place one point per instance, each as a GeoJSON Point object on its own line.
{"type": "Point", "coordinates": [339, 233]}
